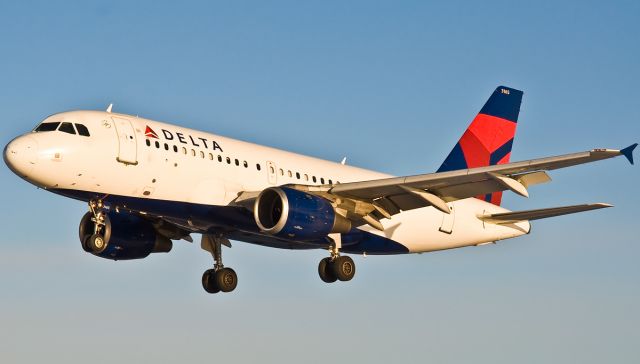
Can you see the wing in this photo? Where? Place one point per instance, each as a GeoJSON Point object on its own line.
{"type": "Point", "coordinates": [366, 202]}
{"type": "Point", "coordinates": [456, 185]}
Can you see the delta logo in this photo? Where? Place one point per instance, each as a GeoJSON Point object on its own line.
{"type": "Point", "coordinates": [149, 133]}
{"type": "Point", "coordinates": [182, 138]}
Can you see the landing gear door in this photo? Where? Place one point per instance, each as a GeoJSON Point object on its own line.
{"type": "Point", "coordinates": [127, 146]}
{"type": "Point", "coordinates": [448, 220]}
{"type": "Point", "coordinates": [271, 170]}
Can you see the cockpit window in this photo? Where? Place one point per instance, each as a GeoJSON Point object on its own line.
{"type": "Point", "coordinates": [67, 128]}
{"type": "Point", "coordinates": [82, 130]}
{"type": "Point", "coordinates": [47, 127]}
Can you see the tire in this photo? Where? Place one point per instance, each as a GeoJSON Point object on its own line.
{"type": "Point", "coordinates": [84, 243]}
{"type": "Point", "coordinates": [96, 244]}
{"type": "Point", "coordinates": [227, 279]}
{"type": "Point", "coordinates": [344, 268]}
{"type": "Point", "coordinates": [209, 281]}
{"type": "Point", "coordinates": [325, 271]}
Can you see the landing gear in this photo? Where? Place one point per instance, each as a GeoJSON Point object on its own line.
{"type": "Point", "coordinates": [93, 240]}
{"type": "Point", "coordinates": [336, 267]}
{"type": "Point", "coordinates": [95, 244]}
{"type": "Point", "coordinates": [218, 279]}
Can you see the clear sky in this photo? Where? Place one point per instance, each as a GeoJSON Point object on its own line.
{"type": "Point", "coordinates": [389, 84]}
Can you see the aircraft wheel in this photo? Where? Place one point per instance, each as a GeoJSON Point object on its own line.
{"type": "Point", "coordinates": [325, 271]}
{"type": "Point", "coordinates": [344, 268]}
{"type": "Point", "coordinates": [84, 243]}
{"type": "Point", "coordinates": [209, 281]}
{"type": "Point", "coordinates": [227, 279]}
{"type": "Point", "coordinates": [96, 244]}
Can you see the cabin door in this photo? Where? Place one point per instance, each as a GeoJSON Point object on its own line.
{"type": "Point", "coordinates": [127, 146]}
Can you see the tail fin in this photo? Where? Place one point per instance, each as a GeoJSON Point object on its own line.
{"type": "Point", "coordinates": [489, 138]}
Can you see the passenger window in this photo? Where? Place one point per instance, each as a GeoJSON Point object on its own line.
{"type": "Point", "coordinates": [322, 180]}
{"type": "Point", "coordinates": [47, 127]}
{"type": "Point", "coordinates": [330, 182]}
{"type": "Point", "coordinates": [228, 160]}
{"type": "Point", "coordinates": [219, 158]}
{"type": "Point", "coordinates": [175, 149]}
{"type": "Point", "coordinates": [298, 175]}
{"type": "Point", "coordinates": [67, 128]}
{"type": "Point", "coordinates": [313, 178]}
{"type": "Point", "coordinates": [184, 150]}
{"type": "Point", "coordinates": [281, 172]}
{"type": "Point", "coordinates": [237, 162]}
{"type": "Point", "coordinates": [306, 177]}
{"type": "Point", "coordinates": [210, 156]}
{"type": "Point", "coordinates": [202, 154]}
{"type": "Point", "coordinates": [148, 142]}
{"type": "Point", "coordinates": [289, 173]}
{"type": "Point", "coordinates": [166, 146]}
{"type": "Point", "coordinates": [157, 144]}
{"type": "Point", "coordinates": [245, 164]}
{"type": "Point", "coordinates": [258, 166]}
{"type": "Point", "coordinates": [82, 130]}
{"type": "Point", "coordinates": [193, 152]}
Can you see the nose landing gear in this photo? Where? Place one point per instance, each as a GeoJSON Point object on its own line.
{"type": "Point", "coordinates": [96, 243]}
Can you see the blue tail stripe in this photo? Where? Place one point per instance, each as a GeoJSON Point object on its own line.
{"type": "Point", "coordinates": [454, 161]}
{"type": "Point", "coordinates": [504, 103]}
{"type": "Point", "coordinates": [501, 152]}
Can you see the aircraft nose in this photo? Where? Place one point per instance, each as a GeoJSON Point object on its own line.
{"type": "Point", "coordinates": [20, 155]}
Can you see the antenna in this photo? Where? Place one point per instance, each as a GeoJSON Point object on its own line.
{"type": "Point", "coordinates": [344, 160]}
{"type": "Point", "coordinates": [109, 108]}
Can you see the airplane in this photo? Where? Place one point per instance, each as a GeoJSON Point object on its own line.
{"type": "Point", "coordinates": [148, 183]}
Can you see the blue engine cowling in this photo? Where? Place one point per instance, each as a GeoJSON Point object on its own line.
{"type": "Point", "coordinates": [293, 214]}
{"type": "Point", "coordinates": [127, 236]}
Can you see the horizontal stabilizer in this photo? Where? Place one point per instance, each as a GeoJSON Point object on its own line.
{"type": "Point", "coordinates": [516, 216]}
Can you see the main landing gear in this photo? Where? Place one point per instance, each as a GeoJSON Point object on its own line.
{"type": "Point", "coordinates": [96, 243]}
{"type": "Point", "coordinates": [336, 267]}
{"type": "Point", "coordinates": [218, 279]}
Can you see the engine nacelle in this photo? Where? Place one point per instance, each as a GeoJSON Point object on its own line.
{"type": "Point", "coordinates": [127, 236]}
{"type": "Point", "coordinates": [294, 214]}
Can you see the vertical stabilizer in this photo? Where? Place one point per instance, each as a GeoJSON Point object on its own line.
{"type": "Point", "coordinates": [489, 138]}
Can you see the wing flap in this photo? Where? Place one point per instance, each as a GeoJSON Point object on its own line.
{"type": "Point", "coordinates": [516, 216]}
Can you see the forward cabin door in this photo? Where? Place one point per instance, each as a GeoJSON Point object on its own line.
{"type": "Point", "coordinates": [127, 145]}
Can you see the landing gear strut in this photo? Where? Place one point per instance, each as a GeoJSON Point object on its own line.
{"type": "Point", "coordinates": [95, 243]}
{"type": "Point", "coordinates": [336, 267]}
{"type": "Point", "coordinates": [218, 279]}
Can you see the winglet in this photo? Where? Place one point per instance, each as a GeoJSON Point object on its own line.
{"type": "Point", "coordinates": [628, 152]}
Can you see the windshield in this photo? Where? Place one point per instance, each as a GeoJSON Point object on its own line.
{"type": "Point", "coordinates": [47, 127]}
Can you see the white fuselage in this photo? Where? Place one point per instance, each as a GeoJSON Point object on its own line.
{"type": "Point", "coordinates": [123, 157]}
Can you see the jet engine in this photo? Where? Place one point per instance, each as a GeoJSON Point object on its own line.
{"type": "Point", "coordinates": [293, 214]}
{"type": "Point", "coordinates": [125, 236]}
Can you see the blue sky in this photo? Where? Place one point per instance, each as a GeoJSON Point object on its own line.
{"type": "Point", "coordinates": [391, 85]}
